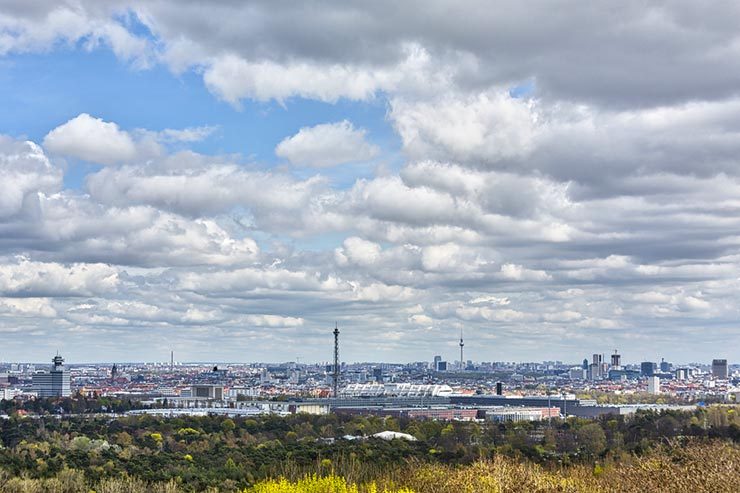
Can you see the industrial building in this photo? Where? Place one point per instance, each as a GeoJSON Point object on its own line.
{"type": "Point", "coordinates": [395, 390]}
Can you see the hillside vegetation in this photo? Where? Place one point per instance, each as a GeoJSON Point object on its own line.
{"type": "Point", "coordinates": [701, 467]}
{"type": "Point", "coordinates": [306, 453]}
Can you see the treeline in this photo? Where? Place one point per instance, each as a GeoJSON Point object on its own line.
{"type": "Point", "coordinates": [78, 404]}
{"type": "Point", "coordinates": [202, 452]}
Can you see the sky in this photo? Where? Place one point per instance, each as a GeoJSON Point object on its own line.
{"type": "Point", "coordinates": [228, 179]}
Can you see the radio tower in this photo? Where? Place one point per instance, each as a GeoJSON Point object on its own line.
{"type": "Point", "coordinates": [462, 344]}
{"type": "Point", "coordinates": [336, 360]}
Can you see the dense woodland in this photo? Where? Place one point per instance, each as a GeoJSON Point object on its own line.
{"type": "Point", "coordinates": [231, 454]}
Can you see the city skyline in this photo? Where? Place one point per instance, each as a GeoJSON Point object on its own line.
{"type": "Point", "coordinates": [226, 182]}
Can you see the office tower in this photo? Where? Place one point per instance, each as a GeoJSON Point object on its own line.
{"type": "Point", "coordinates": [665, 366]}
{"type": "Point", "coordinates": [616, 360]}
{"type": "Point", "coordinates": [654, 385]}
{"type": "Point", "coordinates": [719, 369]}
{"type": "Point", "coordinates": [437, 359]}
{"type": "Point", "coordinates": [647, 368]}
{"type": "Point", "coordinates": [54, 383]}
{"type": "Point", "coordinates": [596, 369]}
{"type": "Point", "coordinates": [499, 388]}
{"type": "Point", "coordinates": [585, 364]}
{"type": "Point", "coordinates": [683, 373]}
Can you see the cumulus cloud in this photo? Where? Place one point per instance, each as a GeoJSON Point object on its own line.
{"type": "Point", "coordinates": [233, 79]}
{"type": "Point", "coordinates": [25, 278]}
{"type": "Point", "coordinates": [544, 194]}
{"type": "Point", "coordinates": [26, 28]}
{"type": "Point", "coordinates": [327, 145]}
{"type": "Point", "coordinates": [91, 139]}
{"type": "Point", "coordinates": [487, 127]}
{"type": "Point", "coordinates": [202, 187]}
{"type": "Point", "coordinates": [25, 172]}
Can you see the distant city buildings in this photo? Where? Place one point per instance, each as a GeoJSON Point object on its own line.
{"type": "Point", "coordinates": [494, 390]}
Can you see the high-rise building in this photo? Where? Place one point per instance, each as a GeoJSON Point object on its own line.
{"type": "Point", "coordinates": [54, 383]}
{"type": "Point", "coordinates": [665, 366]}
{"type": "Point", "coordinates": [653, 385]}
{"type": "Point", "coordinates": [596, 368]}
{"type": "Point", "coordinates": [647, 368]}
{"type": "Point", "coordinates": [616, 360]}
{"type": "Point", "coordinates": [719, 369]}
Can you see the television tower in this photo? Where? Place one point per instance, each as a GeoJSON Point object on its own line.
{"type": "Point", "coordinates": [336, 360]}
{"type": "Point", "coordinates": [462, 344]}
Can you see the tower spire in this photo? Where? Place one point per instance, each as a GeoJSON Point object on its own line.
{"type": "Point", "coordinates": [462, 344]}
{"type": "Point", "coordinates": [336, 360]}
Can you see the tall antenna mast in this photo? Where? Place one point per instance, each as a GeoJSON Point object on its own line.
{"type": "Point", "coordinates": [462, 344]}
{"type": "Point", "coordinates": [336, 360]}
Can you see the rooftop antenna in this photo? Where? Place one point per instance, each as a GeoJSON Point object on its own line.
{"type": "Point", "coordinates": [336, 360]}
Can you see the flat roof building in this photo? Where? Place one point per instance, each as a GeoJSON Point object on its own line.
{"type": "Point", "coordinates": [53, 383]}
{"type": "Point", "coordinates": [719, 369]}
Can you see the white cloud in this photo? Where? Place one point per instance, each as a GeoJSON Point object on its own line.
{"type": "Point", "coordinates": [191, 134]}
{"type": "Point", "coordinates": [38, 279]}
{"type": "Point", "coordinates": [27, 307]}
{"type": "Point", "coordinates": [91, 139]}
{"type": "Point", "coordinates": [485, 127]}
{"type": "Point", "coordinates": [193, 185]}
{"type": "Point", "coordinates": [539, 219]}
{"type": "Point", "coordinates": [95, 140]}
{"type": "Point", "coordinates": [233, 78]}
{"type": "Point", "coordinates": [25, 171]}
{"type": "Point", "coordinates": [515, 272]}
{"type": "Point", "coordinates": [358, 251]}
{"type": "Point", "coordinates": [327, 145]}
{"type": "Point", "coordinates": [39, 28]}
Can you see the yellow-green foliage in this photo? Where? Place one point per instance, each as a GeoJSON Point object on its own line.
{"type": "Point", "coordinates": [316, 484]}
{"type": "Point", "coordinates": [696, 468]}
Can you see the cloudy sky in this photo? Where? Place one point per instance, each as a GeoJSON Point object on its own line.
{"type": "Point", "coordinates": [226, 180]}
